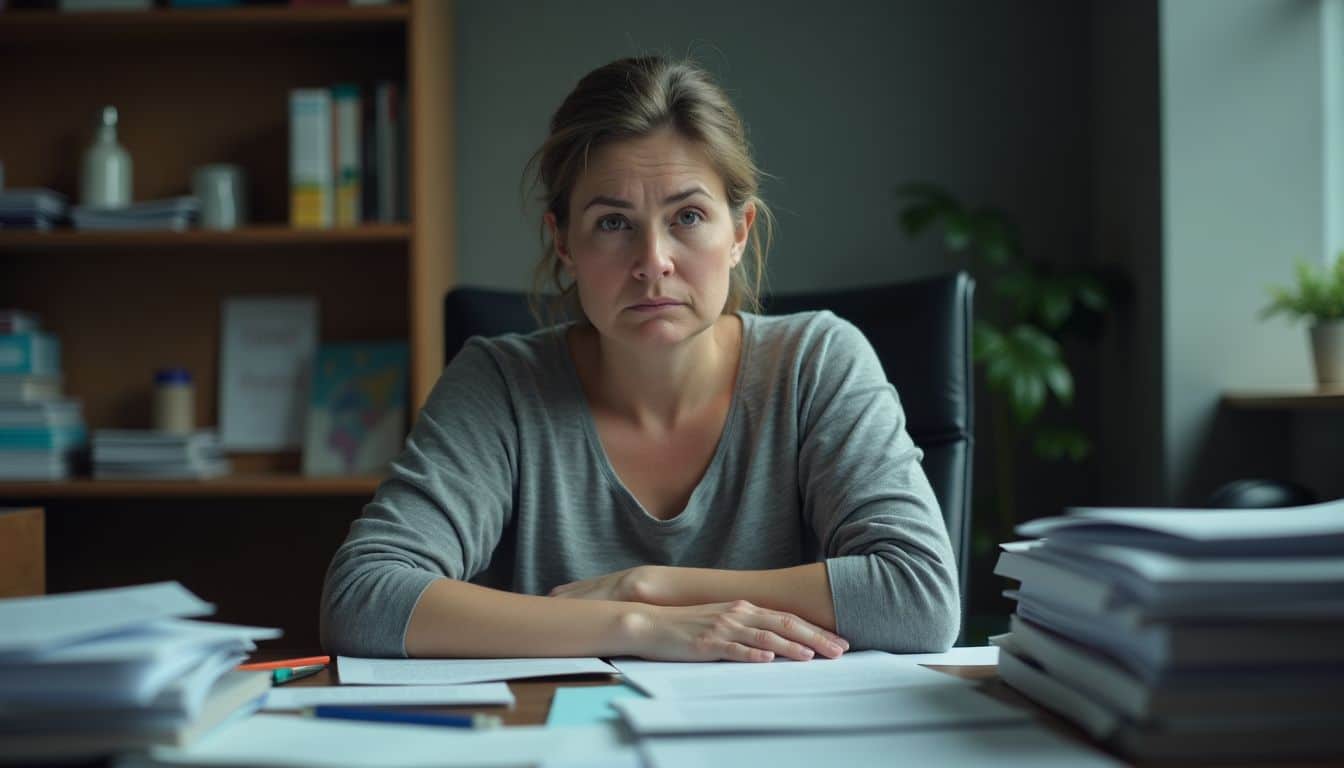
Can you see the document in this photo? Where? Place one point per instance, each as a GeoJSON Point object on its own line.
{"type": "Point", "coordinates": [35, 624]}
{"type": "Point", "coordinates": [588, 704]}
{"type": "Point", "coordinates": [489, 694]}
{"type": "Point", "coordinates": [936, 706]}
{"type": "Point", "coordinates": [852, 672]}
{"type": "Point", "coordinates": [356, 671]}
{"type": "Point", "coordinates": [1313, 528]}
{"type": "Point", "coordinates": [969, 656]}
{"type": "Point", "coordinates": [1027, 746]}
{"type": "Point", "coordinates": [282, 741]}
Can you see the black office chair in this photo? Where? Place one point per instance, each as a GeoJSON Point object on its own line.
{"type": "Point", "coordinates": [921, 331]}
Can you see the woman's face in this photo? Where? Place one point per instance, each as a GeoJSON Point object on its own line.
{"type": "Point", "coordinates": [651, 241]}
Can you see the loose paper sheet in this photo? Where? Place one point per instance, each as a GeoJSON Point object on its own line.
{"type": "Point", "coordinates": [357, 671]}
{"type": "Point", "coordinates": [483, 694]}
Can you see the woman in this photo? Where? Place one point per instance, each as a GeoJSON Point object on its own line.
{"type": "Point", "coordinates": [667, 471]}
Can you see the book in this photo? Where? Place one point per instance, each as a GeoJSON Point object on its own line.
{"type": "Point", "coordinates": [47, 413]}
{"type": "Point", "coordinates": [348, 144]}
{"type": "Point", "coordinates": [173, 213]}
{"type": "Point", "coordinates": [266, 357]}
{"type": "Point", "coordinates": [34, 353]}
{"type": "Point", "coordinates": [387, 132]}
{"type": "Point", "coordinates": [29, 388]}
{"type": "Point", "coordinates": [357, 411]}
{"type": "Point", "coordinates": [312, 182]}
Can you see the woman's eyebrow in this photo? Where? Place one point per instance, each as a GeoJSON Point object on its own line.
{"type": "Point", "coordinates": [616, 202]}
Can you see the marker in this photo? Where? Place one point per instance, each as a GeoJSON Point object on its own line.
{"type": "Point", "coordinates": [283, 663]}
{"type": "Point", "coordinates": [369, 714]}
{"type": "Point", "coordinates": [291, 674]}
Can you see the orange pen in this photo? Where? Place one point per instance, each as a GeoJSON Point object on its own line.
{"type": "Point", "coordinates": [284, 663]}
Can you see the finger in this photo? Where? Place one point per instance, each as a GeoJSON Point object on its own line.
{"type": "Point", "coordinates": [738, 652]}
{"type": "Point", "coordinates": [804, 633]}
{"type": "Point", "coordinates": [764, 639]}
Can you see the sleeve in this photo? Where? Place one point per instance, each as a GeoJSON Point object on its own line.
{"type": "Point", "coordinates": [439, 514]}
{"type": "Point", "coordinates": [890, 563]}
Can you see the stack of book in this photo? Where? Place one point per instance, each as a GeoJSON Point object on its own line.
{"type": "Point", "coordinates": [88, 674]}
{"type": "Point", "coordinates": [31, 208]}
{"type": "Point", "coordinates": [1179, 634]}
{"type": "Point", "coordinates": [347, 155]}
{"type": "Point", "coordinates": [128, 454]}
{"type": "Point", "coordinates": [173, 213]}
{"type": "Point", "coordinates": [40, 431]}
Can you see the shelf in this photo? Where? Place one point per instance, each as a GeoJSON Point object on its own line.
{"type": "Point", "coordinates": [274, 235]}
{"type": "Point", "coordinates": [1320, 400]}
{"type": "Point", "coordinates": [260, 485]}
{"type": "Point", "coordinates": [42, 25]}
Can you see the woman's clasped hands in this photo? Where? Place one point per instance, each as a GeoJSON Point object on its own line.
{"type": "Point", "coordinates": [735, 630]}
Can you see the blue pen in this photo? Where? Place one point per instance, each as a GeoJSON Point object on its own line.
{"type": "Point", "coordinates": [372, 715]}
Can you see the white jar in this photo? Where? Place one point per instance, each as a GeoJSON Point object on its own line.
{"type": "Point", "coordinates": [105, 181]}
{"type": "Point", "coordinates": [174, 401]}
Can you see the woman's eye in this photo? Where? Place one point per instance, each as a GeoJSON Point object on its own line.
{"type": "Point", "coordinates": [690, 217]}
{"type": "Point", "coordinates": [611, 223]}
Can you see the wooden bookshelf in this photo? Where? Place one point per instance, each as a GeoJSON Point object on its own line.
{"type": "Point", "coordinates": [44, 26]}
{"type": "Point", "coordinates": [1319, 400]}
{"type": "Point", "coordinates": [276, 485]}
{"type": "Point", "coordinates": [195, 87]}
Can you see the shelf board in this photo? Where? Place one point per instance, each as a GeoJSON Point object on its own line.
{"type": "Point", "coordinates": [272, 235]}
{"type": "Point", "coordinates": [40, 25]}
{"type": "Point", "coordinates": [258, 485]}
{"type": "Point", "coordinates": [1324, 399]}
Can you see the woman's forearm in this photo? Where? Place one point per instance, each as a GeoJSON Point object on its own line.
{"type": "Point", "coordinates": [804, 590]}
{"type": "Point", "coordinates": [462, 620]}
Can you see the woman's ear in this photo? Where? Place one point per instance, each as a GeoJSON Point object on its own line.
{"type": "Point", "coordinates": [742, 230]}
{"type": "Point", "coordinates": [558, 241]}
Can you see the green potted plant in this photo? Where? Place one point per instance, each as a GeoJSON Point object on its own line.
{"type": "Point", "coordinates": [1318, 299]}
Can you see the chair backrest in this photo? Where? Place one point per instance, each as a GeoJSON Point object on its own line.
{"type": "Point", "coordinates": [922, 334]}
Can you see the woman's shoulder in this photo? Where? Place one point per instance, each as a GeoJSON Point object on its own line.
{"type": "Point", "coordinates": [796, 335]}
{"type": "Point", "coordinates": [512, 352]}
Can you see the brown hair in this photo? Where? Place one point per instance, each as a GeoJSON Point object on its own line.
{"type": "Point", "coordinates": [629, 99]}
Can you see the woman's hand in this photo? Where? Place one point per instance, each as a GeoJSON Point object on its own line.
{"type": "Point", "coordinates": [735, 631]}
{"type": "Point", "coordinates": [632, 585]}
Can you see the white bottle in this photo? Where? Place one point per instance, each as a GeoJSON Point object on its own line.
{"type": "Point", "coordinates": [106, 178]}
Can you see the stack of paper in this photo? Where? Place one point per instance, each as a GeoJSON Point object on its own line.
{"type": "Point", "coordinates": [31, 208]}
{"type": "Point", "coordinates": [1183, 633]}
{"type": "Point", "coordinates": [175, 213]}
{"type": "Point", "coordinates": [126, 453]}
{"type": "Point", "coordinates": [91, 673]}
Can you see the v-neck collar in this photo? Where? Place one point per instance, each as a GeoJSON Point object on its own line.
{"type": "Point", "coordinates": [694, 508]}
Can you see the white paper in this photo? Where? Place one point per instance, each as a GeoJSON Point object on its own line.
{"type": "Point", "coordinates": [266, 358]}
{"type": "Point", "coordinates": [1009, 747]}
{"type": "Point", "coordinates": [484, 694]}
{"type": "Point", "coordinates": [857, 671]}
{"type": "Point", "coordinates": [969, 656]}
{"type": "Point", "coordinates": [32, 624]}
{"type": "Point", "coordinates": [1325, 519]}
{"type": "Point", "coordinates": [931, 706]}
{"type": "Point", "coordinates": [356, 671]}
{"type": "Point", "coordinates": [286, 741]}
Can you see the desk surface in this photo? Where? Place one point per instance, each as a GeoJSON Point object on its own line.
{"type": "Point", "coordinates": [534, 703]}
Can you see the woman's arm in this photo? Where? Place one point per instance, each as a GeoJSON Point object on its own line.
{"type": "Point", "coordinates": [804, 590]}
{"type": "Point", "coordinates": [462, 620]}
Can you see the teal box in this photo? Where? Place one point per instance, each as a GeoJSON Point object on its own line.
{"type": "Point", "coordinates": [30, 353]}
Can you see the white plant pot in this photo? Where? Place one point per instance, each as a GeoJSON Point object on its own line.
{"type": "Point", "coordinates": [1327, 349]}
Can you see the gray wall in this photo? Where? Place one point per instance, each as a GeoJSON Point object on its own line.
{"type": "Point", "coordinates": [844, 100]}
{"type": "Point", "coordinates": [1127, 235]}
{"type": "Point", "coordinates": [1244, 194]}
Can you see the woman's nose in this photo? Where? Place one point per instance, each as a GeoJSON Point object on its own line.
{"type": "Point", "coordinates": [653, 259]}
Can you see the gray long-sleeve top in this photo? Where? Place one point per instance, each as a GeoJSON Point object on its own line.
{"type": "Point", "coordinates": [503, 481]}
